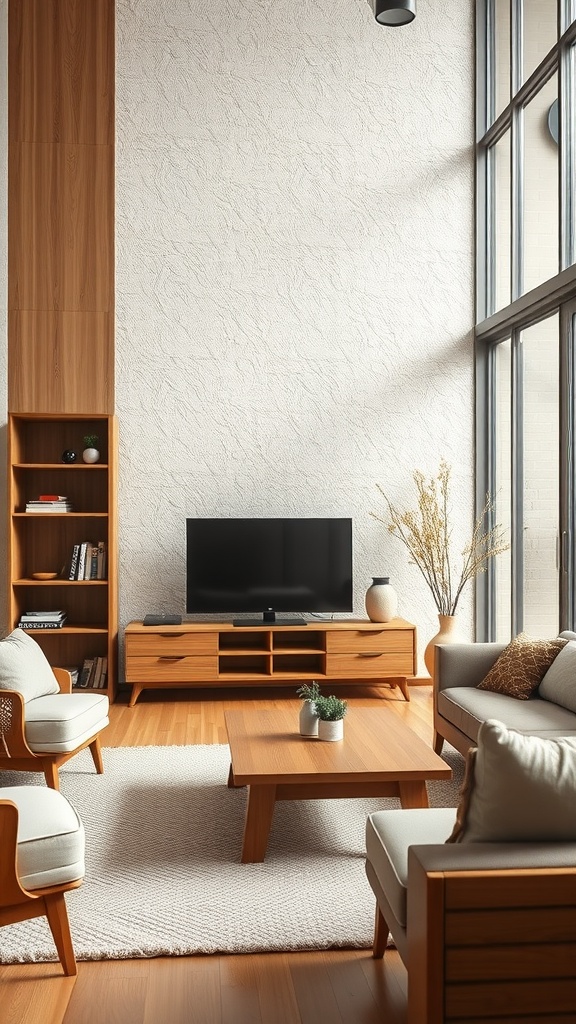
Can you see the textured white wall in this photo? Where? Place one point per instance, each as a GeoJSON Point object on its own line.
{"type": "Point", "coordinates": [294, 274]}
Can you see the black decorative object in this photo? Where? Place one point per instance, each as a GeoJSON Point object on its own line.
{"type": "Point", "coordinates": [69, 456]}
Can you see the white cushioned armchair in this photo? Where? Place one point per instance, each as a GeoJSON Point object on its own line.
{"type": "Point", "coordinates": [42, 723]}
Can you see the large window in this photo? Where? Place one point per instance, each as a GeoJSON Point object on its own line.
{"type": "Point", "coordinates": [526, 303]}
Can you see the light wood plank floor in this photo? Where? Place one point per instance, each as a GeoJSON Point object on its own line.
{"type": "Point", "coordinates": [335, 987]}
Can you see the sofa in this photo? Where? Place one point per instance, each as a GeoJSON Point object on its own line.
{"type": "Point", "coordinates": [460, 707]}
{"type": "Point", "coordinates": [480, 902]}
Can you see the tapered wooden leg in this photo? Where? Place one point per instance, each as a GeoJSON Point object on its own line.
{"type": "Point", "coordinates": [96, 752]}
{"type": "Point", "coordinates": [413, 793]}
{"type": "Point", "coordinates": [60, 927]}
{"type": "Point", "coordinates": [51, 775]}
{"type": "Point", "coordinates": [381, 933]}
{"type": "Point", "coordinates": [259, 811]}
{"type": "Point", "coordinates": [438, 742]}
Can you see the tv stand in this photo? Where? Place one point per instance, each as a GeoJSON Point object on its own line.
{"type": "Point", "coordinates": [220, 654]}
{"type": "Point", "coordinates": [270, 616]}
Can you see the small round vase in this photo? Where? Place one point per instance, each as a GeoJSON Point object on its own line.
{"type": "Point", "coordinates": [90, 455]}
{"type": "Point", "coordinates": [381, 600]}
{"type": "Point", "coordinates": [308, 719]}
{"type": "Point", "coordinates": [331, 730]}
{"type": "Point", "coordinates": [447, 634]}
{"type": "Point", "coordinates": [69, 456]}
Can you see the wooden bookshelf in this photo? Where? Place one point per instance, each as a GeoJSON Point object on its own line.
{"type": "Point", "coordinates": [43, 542]}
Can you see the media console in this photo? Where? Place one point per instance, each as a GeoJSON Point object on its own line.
{"type": "Point", "coordinates": [220, 654]}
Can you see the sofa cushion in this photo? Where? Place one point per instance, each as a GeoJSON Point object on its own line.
{"type": "Point", "coordinates": [559, 682]}
{"type": "Point", "coordinates": [388, 837]}
{"type": "Point", "coordinates": [50, 836]}
{"type": "Point", "coordinates": [517, 788]}
{"type": "Point", "coordinates": [24, 667]}
{"type": "Point", "coordinates": [520, 668]}
{"type": "Point", "coordinates": [467, 707]}
{"type": "Point", "coordinates": [62, 722]}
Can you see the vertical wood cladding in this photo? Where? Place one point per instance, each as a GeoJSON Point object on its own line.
{"type": "Point", "coordinates": [61, 206]}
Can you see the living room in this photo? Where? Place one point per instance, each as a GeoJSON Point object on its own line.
{"type": "Point", "coordinates": [288, 323]}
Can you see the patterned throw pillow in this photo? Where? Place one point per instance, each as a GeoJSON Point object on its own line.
{"type": "Point", "coordinates": [521, 666]}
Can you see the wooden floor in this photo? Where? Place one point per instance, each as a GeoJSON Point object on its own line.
{"type": "Point", "coordinates": [332, 987]}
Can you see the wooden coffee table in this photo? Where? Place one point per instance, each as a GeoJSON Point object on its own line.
{"type": "Point", "coordinates": [379, 756]}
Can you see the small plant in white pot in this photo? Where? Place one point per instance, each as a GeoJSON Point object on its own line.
{"type": "Point", "coordinates": [308, 714]}
{"type": "Point", "coordinates": [331, 711]}
{"type": "Point", "coordinates": [91, 453]}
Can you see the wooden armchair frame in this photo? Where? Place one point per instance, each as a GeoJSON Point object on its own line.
{"type": "Point", "coordinates": [19, 904]}
{"type": "Point", "coordinates": [16, 755]}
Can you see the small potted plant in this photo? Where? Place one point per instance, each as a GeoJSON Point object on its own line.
{"type": "Point", "coordinates": [91, 453]}
{"type": "Point", "coordinates": [331, 711]}
{"type": "Point", "coordinates": [308, 716]}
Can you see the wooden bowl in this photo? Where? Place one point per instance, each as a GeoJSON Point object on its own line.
{"type": "Point", "coordinates": [44, 575]}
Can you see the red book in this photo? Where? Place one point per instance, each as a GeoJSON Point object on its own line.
{"type": "Point", "coordinates": [52, 497]}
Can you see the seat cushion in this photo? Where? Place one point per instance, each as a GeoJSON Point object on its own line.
{"type": "Point", "coordinates": [467, 707]}
{"type": "Point", "coordinates": [62, 722]}
{"type": "Point", "coordinates": [24, 667]}
{"type": "Point", "coordinates": [388, 836]}
{"type": "Point", "coordinates": [50, 836]}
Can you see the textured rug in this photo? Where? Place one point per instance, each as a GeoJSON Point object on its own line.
{"type": "Point", "coordinates": [163, 877]}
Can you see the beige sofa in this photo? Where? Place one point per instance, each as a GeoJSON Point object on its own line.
{"type": "Point", "coordinates": [460, 708]}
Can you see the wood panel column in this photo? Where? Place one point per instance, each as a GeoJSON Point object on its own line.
{"type": "Point", "coordinates": [61, 206]}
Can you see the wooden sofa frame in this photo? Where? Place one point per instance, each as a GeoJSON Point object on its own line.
{"type": "Point", "coordinates": [490, 946]}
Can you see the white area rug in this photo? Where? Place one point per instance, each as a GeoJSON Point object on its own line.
{"type": "Point", "coordinates": [163, 839]}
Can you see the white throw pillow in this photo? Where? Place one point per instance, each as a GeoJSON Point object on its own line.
{"type": "Point", "coordinates": [559, 682]}
{"type": "Point", "coordinates": [518, 789]}
{"type": "Point", "coordinates": [24, 667]}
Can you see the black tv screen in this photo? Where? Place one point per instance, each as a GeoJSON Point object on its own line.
{"type": "Point", "coordinates": [268, 565]}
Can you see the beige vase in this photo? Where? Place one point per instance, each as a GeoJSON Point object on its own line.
{"type": "Point", "coordinates": [447, 634]}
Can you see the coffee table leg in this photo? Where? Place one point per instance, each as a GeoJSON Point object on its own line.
{"type": "Point", "coordinates": [259, 811]}
{"type": "Point", "coordinates": [413, 794]}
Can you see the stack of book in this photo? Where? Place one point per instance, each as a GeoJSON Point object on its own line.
{"type": "Point", "coordinates": [42, 620]}
{"type": "Point", "coordinates": [49, 503]}
{"type": "Point", "coordinates": [93, 674]}
{"type": "Point", "coordinates": [88, 561]}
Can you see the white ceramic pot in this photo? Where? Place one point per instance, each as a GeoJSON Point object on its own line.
{"type": "Point", "coordinates": [381, 600]}
{"type": "Point", "coordinates": [308, 720]}
{"type": "Point", "coordinates": [331, 730]}
{"type": "Point", "coordinates": [90, 455]}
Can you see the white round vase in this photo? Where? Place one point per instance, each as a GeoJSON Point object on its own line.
{"type": "Point", "coordinates": [331, 730]}
{"type": "Point", "coordinates": [90, 455]}
{"type": "Point", "coordinates": [308, 720]}
{"type": "Point", "coordinates": [381, 600]}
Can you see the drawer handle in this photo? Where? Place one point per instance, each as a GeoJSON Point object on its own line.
{"type": "Point", "coordinates": [171, 657]}
{"type": "Point", "coordinates": [370, 654]}
{"type": "Point", "coordinates": [171, 635]}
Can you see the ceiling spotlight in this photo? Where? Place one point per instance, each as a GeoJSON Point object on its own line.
{"type": "Point", "coordinates": [393, 12]}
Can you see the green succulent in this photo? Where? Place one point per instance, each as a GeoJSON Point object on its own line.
{"type": "Point", "coordinates": [91, 440]}
{"type": "Point", "coordinates": [310, 693]}
{"type": "Point", "coordinates": [331, 709]}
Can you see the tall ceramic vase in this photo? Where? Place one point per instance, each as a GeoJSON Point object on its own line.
{"type": "Point", "coordinates": [381, 600]}
{"type": "Point", "coordinates": [447, 634]}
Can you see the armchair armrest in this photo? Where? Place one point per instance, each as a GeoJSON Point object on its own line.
{"type": "Point", "coordinates": [64, 679]}
{"type": "Point", "coordinates": [464, 664]}
{"type": "Point", "coordinates": [12, 730]}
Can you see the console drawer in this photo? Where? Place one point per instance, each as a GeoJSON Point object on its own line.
{"type": "Point", "coordinates": [159, 644]}
{"type": "Point", "coordinates": [170, 669]}
{"type": "Point", "coordinates": [355, 666]}
{"type": "Point", "coordinates": [376, 640]}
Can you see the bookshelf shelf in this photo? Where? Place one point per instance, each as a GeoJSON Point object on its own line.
{"type": "Point", "coordinates": [44, 541]}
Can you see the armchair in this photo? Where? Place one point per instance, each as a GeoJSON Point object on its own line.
{"type": "Point", "coordinates": [42, 723]}
{"type": "Point", "coordinates": [41, 858]}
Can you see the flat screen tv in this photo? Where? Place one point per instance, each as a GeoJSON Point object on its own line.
{"type": "Point", "coordinates": [265, 566]}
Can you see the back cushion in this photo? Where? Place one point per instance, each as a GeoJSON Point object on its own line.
{"type": "Point", "coordinates": [559, 682]}
{"type": "Point", "coordinates": [517, 789]}
{"type": "Point", "coordinates": [24, 667]}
